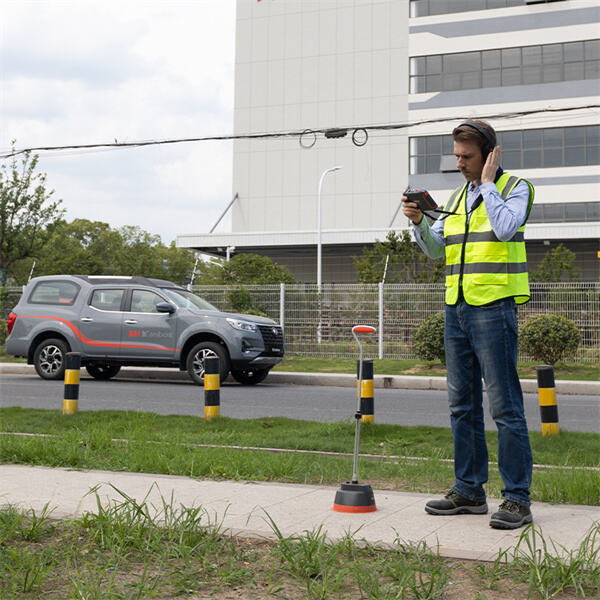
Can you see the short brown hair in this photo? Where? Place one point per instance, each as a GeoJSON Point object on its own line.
{"type": "Point", "coordinates": [470, 133]}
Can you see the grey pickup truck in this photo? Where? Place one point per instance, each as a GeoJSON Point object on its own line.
{"type": "Point", "coordinates": [118, 321]}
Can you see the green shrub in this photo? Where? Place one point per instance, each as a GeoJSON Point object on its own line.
{"type": "Point", "coordinates": [428, 339]}
{"type": "Point", "coordinates": [549, 338]}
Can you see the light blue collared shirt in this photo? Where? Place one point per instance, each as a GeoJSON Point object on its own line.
{"type": "Point", "coordinates": [505, 216]}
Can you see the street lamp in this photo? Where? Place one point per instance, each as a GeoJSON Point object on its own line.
{"type": "Point", "coordinates": [319, 282]}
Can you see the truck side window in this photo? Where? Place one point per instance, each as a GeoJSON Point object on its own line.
{"type": "Point", "coordinates": [107, 299]}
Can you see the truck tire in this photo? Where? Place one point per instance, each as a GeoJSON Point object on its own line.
{"type": "Point", "coordinates": [102, 371]}
{"type": "Point", "coordinates": [250, 376]}
{"type": "Point", "coordinates": [195, 360]}
{"type": "Point", "coordinates": [49, 358]}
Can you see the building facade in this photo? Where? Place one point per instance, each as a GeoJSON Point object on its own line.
{"type": "Point", "coordinates": [375, 87]}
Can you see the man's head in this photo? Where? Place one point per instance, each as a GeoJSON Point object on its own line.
{"type": "Point", "coordinates": [473, 141]}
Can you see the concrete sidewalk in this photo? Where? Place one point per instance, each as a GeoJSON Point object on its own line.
{"type": "Point", "coordinates": [407, 382]}
{"type": "Point", "coordinates": [242, 508]}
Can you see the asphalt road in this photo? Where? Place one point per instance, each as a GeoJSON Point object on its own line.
{"type": "Point", "coordinates": [329, 404]}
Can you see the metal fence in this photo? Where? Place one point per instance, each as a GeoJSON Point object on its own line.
{"type": "Point", "coordinates": [396, 310]}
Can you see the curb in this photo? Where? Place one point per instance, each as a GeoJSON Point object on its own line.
{"type": "Point", "coordinates": [396, 382]}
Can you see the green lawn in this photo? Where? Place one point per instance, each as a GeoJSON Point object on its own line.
{"type": "Point", "coordinates": [310, 364]}
{"type": "Point", "coordinates": [144, 442]}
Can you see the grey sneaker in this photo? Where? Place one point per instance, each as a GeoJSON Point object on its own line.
{"type": "Point", "coordinates": [511, 515]}
{"type": "Point", "coordinates": [455, 504]}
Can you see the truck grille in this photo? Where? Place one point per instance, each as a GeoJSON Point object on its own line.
{"type": "Point", "coordinates": [273, 339]}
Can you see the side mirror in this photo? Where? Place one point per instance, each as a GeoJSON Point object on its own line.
{"type": "Point", "coordinates": [165, 307]}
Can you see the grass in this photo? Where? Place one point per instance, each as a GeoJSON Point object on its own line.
{"type": "Point", "coordinates": [131, 549]}
{"type": "Point", "coordinates": [145, 442]}
{"type": "Point", "coordinates": [311, 364]}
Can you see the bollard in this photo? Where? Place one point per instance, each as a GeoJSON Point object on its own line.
{"type": "Point", "coordinates": [547, 395]}
{"type": "Point", "coordinates": [71, 396]}
{"type": "Point", "coordinates": [212, 387]}
{"type": "Point", "coordinates": [367, 403]}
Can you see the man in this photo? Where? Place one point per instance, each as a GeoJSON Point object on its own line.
{"type": "Point", "coordinates": [481, 236]}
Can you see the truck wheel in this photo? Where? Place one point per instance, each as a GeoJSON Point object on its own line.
{"type": "Point", "coordinates": [102, 371]}
{"type": "Point", "coordinates": [251, 376]}
{"type": "Point", "coordinates": [49, 358]}
{"type": "Point", "coordinates": [195, 360]}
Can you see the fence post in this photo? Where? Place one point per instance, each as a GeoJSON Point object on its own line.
{"type": "Point", "coordinates": [71, 395]}
{"type": "Point", "coordinates": [281, 304]}
{"type": "Point", "coordinates": [380, 320]}
{"type": "Point", "coordinates": [212, 389]}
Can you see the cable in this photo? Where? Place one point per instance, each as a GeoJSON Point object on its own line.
{"type": "Point", "coordinates": [362, 129]}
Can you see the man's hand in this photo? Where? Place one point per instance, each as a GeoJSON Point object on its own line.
{"type": "Point", "coordinates": [411, 210]}
{"type": "Point", "coordinates": [488, 174]}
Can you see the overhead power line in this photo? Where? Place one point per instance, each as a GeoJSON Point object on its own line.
{"type": "Point", "coordinates": [359, 133]}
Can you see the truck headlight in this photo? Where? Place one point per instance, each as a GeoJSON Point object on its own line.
{"type": "Point", "coordinates": [242, 325]}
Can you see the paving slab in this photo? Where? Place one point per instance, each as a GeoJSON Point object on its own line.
{"type": "Point", "coordinates": [247, 508]}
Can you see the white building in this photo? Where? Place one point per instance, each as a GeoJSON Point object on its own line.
{"type": "Point", "coordinates": [407, 72]}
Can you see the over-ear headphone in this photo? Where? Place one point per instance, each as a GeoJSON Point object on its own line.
{"type": "Point", "coordinates": [487, 148]}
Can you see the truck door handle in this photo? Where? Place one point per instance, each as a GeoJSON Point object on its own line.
{"type": "Point", "coordinates": [131, 321]}
{"type": "Point", "coordinates": [86, 319]}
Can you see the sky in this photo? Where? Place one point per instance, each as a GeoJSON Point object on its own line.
{"type": "Point", "coordinates": [90, 71]}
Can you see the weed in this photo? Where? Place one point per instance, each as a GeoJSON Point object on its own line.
{"type": "Point", "coordinates": [312, 560]}
{"type": "Point", "coordinates": [494, 572]}
{"type": "Point", "coordinates": [26, 568]}
{"type": "Point", "coordinates": [550, 572]}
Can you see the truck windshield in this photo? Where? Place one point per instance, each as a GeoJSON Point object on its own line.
{"type": "Point", "coordinates": [185, 299]}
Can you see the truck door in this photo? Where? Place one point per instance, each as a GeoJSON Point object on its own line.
{"type": "Point", "coordinates": [147, 333]}
{"type": "Point", "coordinates": [100, 323]}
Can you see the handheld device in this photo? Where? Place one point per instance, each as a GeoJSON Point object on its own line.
{"type": "Point", "coordinates": [422, 198]}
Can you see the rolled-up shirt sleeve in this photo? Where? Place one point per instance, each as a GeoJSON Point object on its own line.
{"type": "Point", "coordinates": [505, 216]}
{"type": "Point", "coordinates": [430, 238]}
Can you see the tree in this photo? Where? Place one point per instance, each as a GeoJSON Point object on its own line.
{"type": "Point", "coordinates": [81, 247]}
{"type": "Point", "coordinates": [94, 248]}
{"type": "Point", "coordinates": [557, 264]}
{"type": "Point", "coordinates": [254, 269]}
{"type": "Point", "coordinates": [549, 338]}
{"type": "Point", "coordinates": [26, 209]}
{"type": "Point", "coordinates": [400, 259]}
{"type": "Point", "coordinates": [178, 262]}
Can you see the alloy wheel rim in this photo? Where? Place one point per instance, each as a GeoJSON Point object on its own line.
{"type": "Point", "coordinates": [198, 362]}
{"type": "Point", "coordinates": [51, 359]}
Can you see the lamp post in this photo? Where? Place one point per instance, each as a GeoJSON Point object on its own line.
{"type": "Point", "coordinates": [319, 281]}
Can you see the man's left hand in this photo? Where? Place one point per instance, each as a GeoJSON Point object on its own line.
{"type": "Point", "coordinates": [488, 174]}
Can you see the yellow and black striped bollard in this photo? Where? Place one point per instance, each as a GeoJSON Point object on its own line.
{"type": "Point", "coordinates": [212, 389]}
{"type": "Point", "coordinates": [71, 396]}
{"type": "Point", "coordinates": [367, 402]}
{"type": "Point", "coordinates": [547, 395]}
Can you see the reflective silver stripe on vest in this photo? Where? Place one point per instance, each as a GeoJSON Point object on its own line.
{"type": "Point", "coordinates": [510, 184]}
{"type": "Point", "coordinates": [481, 236]}
{"type": "Point", "coordinates": [471, 268]}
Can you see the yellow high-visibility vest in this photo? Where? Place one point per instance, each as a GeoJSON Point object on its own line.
{"type": "Point", "coordinates": [486, 268]}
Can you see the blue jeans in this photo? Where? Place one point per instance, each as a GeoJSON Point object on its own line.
{"type": "Point", "coordinates": [482, 341]}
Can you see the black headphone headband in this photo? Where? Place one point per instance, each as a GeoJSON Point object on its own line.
{"type": "Point", "coordinates": [490, 142]}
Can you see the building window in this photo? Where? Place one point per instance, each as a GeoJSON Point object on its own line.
{"type": "Point", "coordinates": [568, 212]}
{"type": "Point", "coordinates": [521, 149]}
{"type": "Point", "coordinates": [505, 67]}
{"type": "Point", "coordinates": [424, 8]}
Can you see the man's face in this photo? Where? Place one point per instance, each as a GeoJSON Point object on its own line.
{"type": "Point", "coordinates": [469, 160]}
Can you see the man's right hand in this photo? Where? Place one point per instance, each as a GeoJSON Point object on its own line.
{"type": "Point", "coordinates": [411, 210]}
